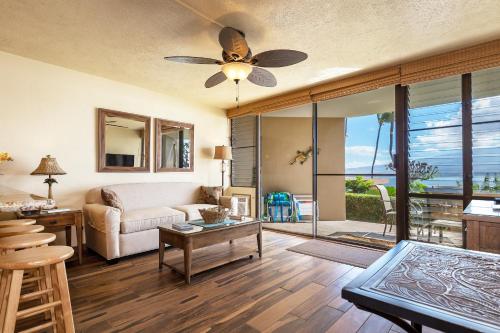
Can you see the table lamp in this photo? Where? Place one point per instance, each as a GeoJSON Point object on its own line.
{"type": "Point", "coordinates": [48, 166]}
{"type": "Point", "coordinates": [223, 153]}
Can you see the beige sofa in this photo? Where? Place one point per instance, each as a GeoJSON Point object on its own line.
{"type": "Point", "coordinates": [114, 234]}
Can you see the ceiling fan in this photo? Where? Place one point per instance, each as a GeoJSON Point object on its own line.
{"type": "Point", "coordinates": [239, 64]}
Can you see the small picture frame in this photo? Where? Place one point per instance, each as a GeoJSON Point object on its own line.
{"type": "Point", "coordinates": [244, 206]}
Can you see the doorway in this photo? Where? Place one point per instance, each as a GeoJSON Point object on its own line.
{"type": "Point", "coordinates": [356, 175]}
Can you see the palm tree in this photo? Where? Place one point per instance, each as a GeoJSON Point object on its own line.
{"type": "Point", "coordinates": [383, 118]}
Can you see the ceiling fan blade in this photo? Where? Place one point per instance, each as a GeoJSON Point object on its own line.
{"type": "Point", "coordinates": [278, 58]}
{"type": "Point", "coordinates": [215, 79]}
{"type": "Point", "coordinates": [233, 42]}
{"type": "Point", "coordinates": [262, 77]}
{"type": "Point", "coordinates": [194, 60]}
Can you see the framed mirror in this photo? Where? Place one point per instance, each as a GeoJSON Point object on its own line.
{"type": "Point", "coordinates": [123, 141]}
{"type": "Point", "coordinates": [174, 146]}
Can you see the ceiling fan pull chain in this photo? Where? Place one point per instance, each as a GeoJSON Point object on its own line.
{"type": "Point", "coordinates": [237, 93]}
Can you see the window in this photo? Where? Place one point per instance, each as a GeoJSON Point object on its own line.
{"type": "Point", "coordinates": [486, 132]}
{"type": "Point", "coordinates": [435, 137]}
{"type": "Point", "coordinates": [435, 155]}
{"type": "Point", "coordinates": [244, 142]}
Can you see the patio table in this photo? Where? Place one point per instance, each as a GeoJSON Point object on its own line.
{"type": "Point", "coordinates": [442, 224]}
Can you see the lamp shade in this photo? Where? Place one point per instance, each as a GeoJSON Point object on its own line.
{"type": "Point", "coordinates": [223, 153]}
{"type": "Point", "coordinates": [48, 166]}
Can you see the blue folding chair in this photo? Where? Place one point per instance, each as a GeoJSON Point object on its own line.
{"type": "Point", "coordinates": [281, 206]}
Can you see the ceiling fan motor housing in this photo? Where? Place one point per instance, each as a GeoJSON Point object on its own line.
{"type": "Point", "coordinates": [236, 57]}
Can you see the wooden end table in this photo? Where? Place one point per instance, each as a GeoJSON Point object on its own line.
{"type": "Point", "coordinates": [62, 221]}
{"type": "Point", "coordinates": [189, 241]}
{"type": "Point", "coordinates": [448, 289]}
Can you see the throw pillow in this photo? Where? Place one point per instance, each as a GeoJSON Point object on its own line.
{"type": "Point", "coordinates": [210, 195]}
{"type": "Point", "coordinates": [111, 199]}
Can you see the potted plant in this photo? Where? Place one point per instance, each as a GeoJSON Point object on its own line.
{"type": "Point", "coordinates": [4, 157]}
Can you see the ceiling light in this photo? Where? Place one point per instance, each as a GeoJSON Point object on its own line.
{"type": "Point", "coordinates": [236, 70]}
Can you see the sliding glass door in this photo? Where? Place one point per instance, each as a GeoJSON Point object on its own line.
{"type": "Point", "coordinates": [286, 170]}
{"type": "Point", "coordinates": [380, 166]}
{"type": "Point", "coordinates": [356, 177]}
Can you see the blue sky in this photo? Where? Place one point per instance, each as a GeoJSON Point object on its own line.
{"type": "Point", "coordinates": [440, 147]}
{"type": "Point", "coordinates": [360, 143]}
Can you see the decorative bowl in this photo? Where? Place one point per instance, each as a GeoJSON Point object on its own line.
{"type": "Point", "coordinates": [214, 215]}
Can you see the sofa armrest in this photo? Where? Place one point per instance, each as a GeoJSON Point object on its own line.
{"type": "Point", "coordinates": [106, 220]}
{"type": "Point", "coordinates": [229, 202]}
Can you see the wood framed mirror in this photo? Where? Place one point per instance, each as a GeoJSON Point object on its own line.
{"type": "Point", "coordinates": [123, 142]}
{"type": "Point", "coordinates": [174, 142]}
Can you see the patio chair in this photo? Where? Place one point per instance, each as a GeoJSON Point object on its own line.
{"type": "Point", "coordinates": [281, 206]}
{"type": "Point", "coordinates": [389, 213]}
{"type": "Point", "coordinates": [418, 220]}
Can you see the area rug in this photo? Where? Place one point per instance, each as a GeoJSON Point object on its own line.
{"type": "Point", "coordinates": [346, 254]}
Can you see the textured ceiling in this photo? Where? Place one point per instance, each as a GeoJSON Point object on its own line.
{"type": "Point", "coordinates": [126, 40]}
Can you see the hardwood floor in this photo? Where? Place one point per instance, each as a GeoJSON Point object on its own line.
{"type": "Point", "coordinates": [282, 292]}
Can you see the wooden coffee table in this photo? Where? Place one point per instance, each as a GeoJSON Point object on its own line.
{"type": "Point", "coordinates": [189, 241]}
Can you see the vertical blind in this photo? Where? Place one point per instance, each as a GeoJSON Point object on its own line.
{"type": "Point", "coordinates": [486, 132]}
{"type": "Point", "coordinates": [244, 143]}
{"type": "Point", "coordinates": [435, 159]}
{"type": "Point", "coordinates": [435, 136]}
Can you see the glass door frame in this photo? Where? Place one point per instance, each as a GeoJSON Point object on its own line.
{"type": "Point", "coordinates": [401, 161]}
{"type": "Point", "coordinates": [258, 174]}
{"type": "Point", "coordinates": [315, 169]}
{"type": "Point", "coordinates": [400, 197]}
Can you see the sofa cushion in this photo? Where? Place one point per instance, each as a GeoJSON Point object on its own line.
{"type": "Point", "coordinates": [149, 218]}
{"type": "Point", "coordinates": [111, 199]}
{"type": "Point", "coordinates": [192, 211]}
{"type": "Point", "coordinates": [210, 195]}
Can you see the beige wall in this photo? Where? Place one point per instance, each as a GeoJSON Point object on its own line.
{"type": "Point", "coordinates": [331, 159]}
{"type": "Point", "coordinates": [47, 109]}
{"type": "Point", "coordinates": [282, 137]}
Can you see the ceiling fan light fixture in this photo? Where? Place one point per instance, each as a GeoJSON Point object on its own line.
{"type": "Point", "coordinates": [239, 63]}
{"type": "Point", "coordinates": [236, 70]}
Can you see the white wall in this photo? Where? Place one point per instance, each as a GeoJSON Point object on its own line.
{"type": "Point", "coordinates": [46, 109]}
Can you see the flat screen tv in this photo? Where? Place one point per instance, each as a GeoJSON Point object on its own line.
{"type": "Point", "coordinates": [119, 160]}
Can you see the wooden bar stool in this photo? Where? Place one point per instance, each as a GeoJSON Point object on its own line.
{"type": "Point", "coordinates": [34, 280]}
{"type": "Point", "coordinates": [20, 230]}
{"type": "Point", "coordinates": [25, 241]}
{"type": "Point", "coordinates": [16, 223]}
{"type": "Point", "coordinates": [51, 259]}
